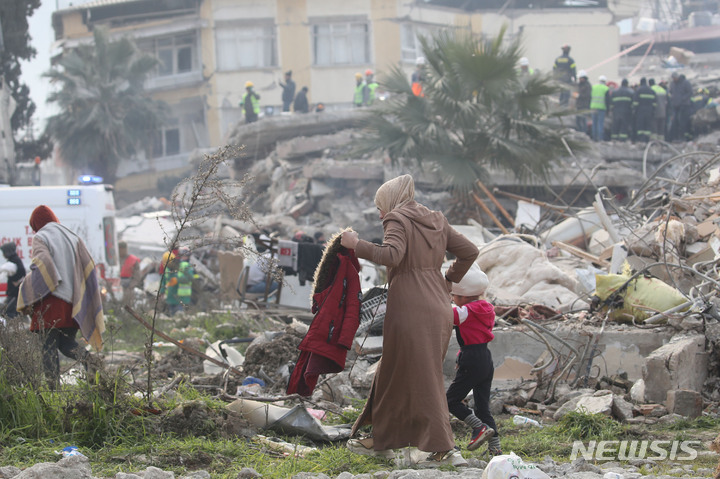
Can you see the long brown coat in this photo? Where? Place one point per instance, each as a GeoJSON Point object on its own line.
{"type": "Point", "coordinates": [407, 404]}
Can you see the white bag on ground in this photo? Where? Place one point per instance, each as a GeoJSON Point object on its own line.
{"type": "Point", "coordinates": [511, 466]}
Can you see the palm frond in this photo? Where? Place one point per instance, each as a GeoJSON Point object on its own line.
{"type": "Point", "coordinates": [476, 112]}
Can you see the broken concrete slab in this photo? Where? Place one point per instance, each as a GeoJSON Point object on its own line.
{"type": "Point", "coordinates": [308, 146]}
{"type": "Point", "coordinates": [685, 402]}
{"type": "Point", "coordinates": [680, 364]}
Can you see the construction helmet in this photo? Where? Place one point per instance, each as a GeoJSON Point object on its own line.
{"type": "Point", "coordinates": [524, 62]}
{"type": "Point", "coordinates": [420, 61]}
{"type": "Point", "coordinates": [368, 72]}
{"type": "Point", "coordinates": [249, 84]}
{"type": "Point", "coordinates": [358, 76]}
{"type": "Point", "coordinates": [602, 78]}
{"type": "Point", "coordinates": [167, 257]}
{"type": "Point", "coordinates": [582, 74]}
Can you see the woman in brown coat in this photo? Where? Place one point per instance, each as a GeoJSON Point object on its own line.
{"type": "Point", "coordinates": [407, 404]}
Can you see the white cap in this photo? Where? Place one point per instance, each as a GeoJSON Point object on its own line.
{"type": "Point", "coordinates": [602, 78]}
{"type": "Point", "coordinates": [420, 61]}
{"type": "Point", "coordinates": [582, 74]}
{"type": "Point", "coordinates": [524, 61]}
{"type": "Point", "coordinates": [474, 283]}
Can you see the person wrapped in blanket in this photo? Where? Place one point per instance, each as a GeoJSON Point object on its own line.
{"type": "Point", "coordinates": [61, 294]}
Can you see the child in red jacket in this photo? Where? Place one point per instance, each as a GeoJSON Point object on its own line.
{"type": "Point", "coordinates": [474, 319]}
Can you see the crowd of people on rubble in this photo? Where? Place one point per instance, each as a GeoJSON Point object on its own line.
{"type": "Point", "coordinates": [638, 112]}
{"type": "Point", "coordinates": [250, 100]}
{"type": "Point", "coordinates": [606, 110]}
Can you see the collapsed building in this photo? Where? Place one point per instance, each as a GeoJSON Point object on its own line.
{"type": "Point", "coordinates": [604, 279]}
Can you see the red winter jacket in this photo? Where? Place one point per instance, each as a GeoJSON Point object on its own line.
{"type": "Point", "coordinates": [337, 317]}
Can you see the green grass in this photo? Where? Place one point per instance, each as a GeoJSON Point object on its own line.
{"type": "Point", "coordinates": [118, 433]}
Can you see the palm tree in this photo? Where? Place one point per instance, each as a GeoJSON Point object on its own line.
{"type": "Point", "coordinates": [105, 113]}
{"type": "Point", "coordinates": [475, 112]}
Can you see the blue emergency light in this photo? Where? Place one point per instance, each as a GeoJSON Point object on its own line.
{"type": "Point", "coordinates": [90, 179]}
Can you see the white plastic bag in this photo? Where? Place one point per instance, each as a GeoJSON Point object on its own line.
{"type": "Point", "coordinates": [511, 466]}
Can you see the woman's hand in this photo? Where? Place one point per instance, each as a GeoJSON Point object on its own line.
{"type": "Point", "coordinates": [349, 239]}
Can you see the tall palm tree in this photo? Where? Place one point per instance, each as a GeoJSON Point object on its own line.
{"type": "Point", "coordinates": [105, 114]}
{"type": "Point", "coordinates": [476, 111]}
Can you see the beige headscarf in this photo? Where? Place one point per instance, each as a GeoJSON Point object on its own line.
{"type": "Point", "coordinates": [395, 193]}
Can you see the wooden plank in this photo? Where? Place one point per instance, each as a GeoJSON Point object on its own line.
{"type": "Point", "coordinates": [580, 253]}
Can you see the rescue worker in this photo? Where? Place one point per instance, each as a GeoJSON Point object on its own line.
{"type": "Point", "coordinates": [599, 105]}
{"type": "Point", "coordinates": [288, 94]}
{"type": "Point", "coordinates": [185, 276]}
{"type": "Point", "coordinates": [644, 103]}
{"type": "Point", "coordinates": [525, 69]}
{"type": "Point", "coordinates": [250, 103]}
{"type": "Point", "coordinates": [680, 108]}
{"type": "Point", "coordinates": [301, 104]}
{"type": "Point", "coordinates": [169, 286]}
{"type": "Point", "coordinates": [564, 70]}
{"type": "Point", "coordinates": [661, 99]}
{"type": "Point", "coordinates": [621, 100]}
{"type": "Point", "coordinates": [700, 99]}
{"type": "Point", "coordinates": [372, 86]}
{"type": "Point", "coordinates": [129, 273]}
{"type": "Point", "coordinates": [362, 94]}
{"type": "Point", "coordinates": [582, 102]}
{"type": "Point", "coordinates": [418, 76]}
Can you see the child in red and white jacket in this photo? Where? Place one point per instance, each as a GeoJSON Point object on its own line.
{"type": "Point", "coordinates": [474, 319]}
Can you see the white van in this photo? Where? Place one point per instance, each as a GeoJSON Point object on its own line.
{"type": "Point", "coordinates": [88, 210]}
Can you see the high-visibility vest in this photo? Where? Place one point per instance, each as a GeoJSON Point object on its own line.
{"type": "Point", "coordinates": [659, 91]}
{"type": "Point", "coordinates": [372, 87]}
{"type": "Point", "coordinates": [185, 278]}
{"type": "Point", "coordinates": [358, 98]}
{"type": "Point", "coordinates": [253, 100]}
{"type": "Point", "coordinates": [597, 100]}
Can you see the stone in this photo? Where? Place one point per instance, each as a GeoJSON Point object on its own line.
{"type": "Point", "coordinates": [71, 467]}
{"type": "Point", "coordinates": [153, 472]}
{"type": "Point", "coordinates": [595, 404]}
{"type": "Point", "coordinates": [670, 419]}
{"type": "Point", "coordinates": [680, 364]}
{"type": "Point", "coordinates": [685, 402]}
{"type": "Point", "coordinates": [126, 475]}
{"type": "Point", "coordinates": [7, 472]}
{"type": "Point", "coordinates": [300, 209]}
{"type": "Point", "coordinates": [196, 475]}
{"type": "Point", "coordinates": [248, 473]}
{"type": "Point", "coordinates": [621, 409]}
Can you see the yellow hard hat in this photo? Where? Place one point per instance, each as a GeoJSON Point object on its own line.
{"type": "Point", "coordinates": [167, 257]}
{"type": "Point", "coordinates": [248, 84]}
{"type": "Point", "coordinates": [358, 75]}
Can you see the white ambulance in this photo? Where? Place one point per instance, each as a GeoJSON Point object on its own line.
{"type": "Point", "coordinates": [88, 210]}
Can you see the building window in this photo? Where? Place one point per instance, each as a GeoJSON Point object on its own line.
{"type": "Point", "coordinates": [177, 54]}
{"type": "Point", "coordinates": [409, 41]}
{"type": "Point", "coordinates": [346, 43]}
{"type": "Point", "coordinates": [167, 142]}
{"type": "Point", "coordinates": [242, 46]}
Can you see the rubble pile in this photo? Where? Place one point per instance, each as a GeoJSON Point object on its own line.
{"type": "Point", "coordinates": [578, 289]}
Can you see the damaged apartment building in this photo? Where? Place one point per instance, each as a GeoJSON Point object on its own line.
{"type": "Point", "coordinates": [208, 49]}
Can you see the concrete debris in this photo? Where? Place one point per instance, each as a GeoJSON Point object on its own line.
{"type": "Point", "coordinates": [608, 306]}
